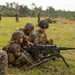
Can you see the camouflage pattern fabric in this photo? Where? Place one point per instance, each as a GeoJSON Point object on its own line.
{"type": "Point", "coordinates": [27, 30]}
{"type": "Point", "coordinates": [17, 34]}
{"type": "Point", "coordinates": [28, 26]}
{"type": "Point", "coordinates": [20, 57]}
{"type": "Point", "coordinates": [16, 55]}
{"type": "Point", "coordinates": [25, 34]}
{"type": "Point", "coordinates": [40, 38]}
{"type": "Point", "coordinates": [3, 62]}
{"type": "Point", "coordinates": [16, 16]}
{"type": "Point", "coordinates": [39, 17]}
{"type": "Point", "coordinates": [37, 37]}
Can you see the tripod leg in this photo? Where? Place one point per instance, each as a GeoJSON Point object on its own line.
{"type": "Point", "coordinates": [64, 61]}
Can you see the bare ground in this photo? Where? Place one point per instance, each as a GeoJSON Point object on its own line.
{"type": "Point", "coordinates": [66, 21]}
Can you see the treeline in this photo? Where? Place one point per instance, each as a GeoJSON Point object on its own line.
{"type": "Point", "coordinates": [9, 9]}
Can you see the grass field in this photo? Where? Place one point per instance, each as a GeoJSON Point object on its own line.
{"type": "Point", "coordinates": [62, 34]}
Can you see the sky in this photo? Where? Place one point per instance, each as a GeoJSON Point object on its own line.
{"type": "Point", "coordinates": [56, 4]}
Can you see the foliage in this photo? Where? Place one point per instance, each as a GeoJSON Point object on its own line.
{"type": "Point", "coordinates": [10, 9]}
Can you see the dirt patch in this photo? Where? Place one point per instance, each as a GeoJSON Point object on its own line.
{"type": "Point", "coordinates": [66, 21]}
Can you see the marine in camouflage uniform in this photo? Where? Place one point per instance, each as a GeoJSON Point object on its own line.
{"type": "Point", "coordinates": [27, 30]}
{"type": "Point", "coordinates": [3, 62]}
{"type": "Point", "coordinates": [16, 16]}
{"type": "Point", "coordinates": [38, 37]}
{"type": "Point", "coordinates": [39, 14]}
{"type": "Point", "coordinates": [16, 55]}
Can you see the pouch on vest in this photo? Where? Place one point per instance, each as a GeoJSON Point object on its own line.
{"type": "Point", "coordinates": [11, 58]}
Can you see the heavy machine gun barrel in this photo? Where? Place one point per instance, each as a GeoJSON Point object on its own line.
{"type": "Point", "coordinates": [49, 47]}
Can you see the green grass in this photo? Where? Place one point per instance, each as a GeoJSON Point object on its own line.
{"type": "Point", "coordinates": [62, 34]}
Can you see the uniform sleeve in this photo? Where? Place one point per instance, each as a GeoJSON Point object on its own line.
{"type": "Point", "coordinates": [34, 38]}
{"type": "Point", "coordinates": [22, 56]}
{"type": "Point", "coordinates": [16, 50]}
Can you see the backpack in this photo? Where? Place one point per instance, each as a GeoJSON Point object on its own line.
{"type": "Point", "coordinates": [6, 47]}
{"type": "Point", "coordinates": [11, 56]}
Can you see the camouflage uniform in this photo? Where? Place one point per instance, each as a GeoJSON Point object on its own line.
{"type": "Point", "coordinates": [39, 38]}
{"type": "Point", "coordinates": [39, 16]}
{"type": "Point", "coordinates": [3, 62]}
{"type": "Point", "coordinates": [16, 15]}
{"type": "Point", "coordinates": [16, 55]}
{"type": "Point", "coordinates": [29, 27]}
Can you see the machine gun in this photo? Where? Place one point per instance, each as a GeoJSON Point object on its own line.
{"type": "Point", "coordinates": [52, 52]}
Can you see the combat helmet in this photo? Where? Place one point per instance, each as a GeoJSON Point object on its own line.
{"type": "Point", "coordinates": [17, 34]}
{"type": "Point", "coordinates": [43, 24]}
{"type": "Point", "coordinates": [29, 26]}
